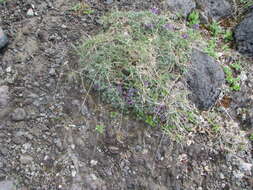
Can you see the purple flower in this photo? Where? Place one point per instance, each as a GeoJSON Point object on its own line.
{"type": "Point", "coordinates": [195, 26]}
{"type": "Point", "coordinates": [155, 10]}
{"type": "Point", "coordinates": [119, 88]}
{"type": "Point", "coordinates": [96, 86]}
{"type": "Point", "coordinates": [131, 92]}
{"type": "Point", "coordinates": [146, 83]}
{"type": "Point", "coordinates": [169, 26]}
{"type": "Point", "coordinates": [185, 36]}
{"type": "Point", "coordinates": [160, 108]}
{"type": "Point", "coordinates": [149, 26]}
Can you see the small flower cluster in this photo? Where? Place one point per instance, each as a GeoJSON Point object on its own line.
{"type": "Point", "coordinates": [160, 111]}
{"type": "Point", "coordinates": [155, 11]}
{"type": "Point", "coordinates": [169, 26]}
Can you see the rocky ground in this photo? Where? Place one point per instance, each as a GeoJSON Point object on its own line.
{"type": "Point", "coordinates": [48, 139]}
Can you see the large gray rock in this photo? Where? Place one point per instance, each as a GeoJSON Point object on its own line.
{"type": "Point", "coordinates": [3, 39]}
{"type": "Point", "coordinates": [183, 7]}
{"type": "Point", "coordinates": [215, 9]}
{"type": "Point", "coordinates": [244, 35]}
{"type": "Point", "coordinates": [210, 10]}
{"type": "Point", "coordinates": [204, 78]}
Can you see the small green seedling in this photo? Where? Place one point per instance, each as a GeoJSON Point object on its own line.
{"type": "Point", "coordinates": [192, 118]}
{"type": "Point", "coordinates": [100, 129]}
{"type": "Point", "coordinates": [82, 8]}
{"type": "Point", "coordinates": [210, 50]}
{"type": "Point", "coordinates": [114, 114]}
{"type": "Point", "coordinates": [246, 3]}
{"type": "Point", "coordinates": [236, 66]}
{"type": "Point", "coordinates": [231, 80]}
{"type": "Point", "coordinates": [151, 121]}
{"type": "Point", "coordinates": [228, 36]}
{"type": "Point", "coordinates": [215, 28]}
{"type": "Point", "coordinates": [193, 18]}
{"type": "Point", "coordinates": [251, 137]}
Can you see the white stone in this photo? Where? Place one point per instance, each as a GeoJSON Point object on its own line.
{"type": "Point", "coordinates": [30, 12]}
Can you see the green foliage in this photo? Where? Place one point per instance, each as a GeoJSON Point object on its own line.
{"type": "Point", "coordinates": [82, 8]}
{"type": "Point", "coordinates": [215, 28]}
{"type": "Point", "coordinates": [193, 18]}
{"type": "Point", "coordinates": [114, 114]}
{"type": "Point", "coordinates": [150, 120]}
{"type": "Point", "coordinates": [231, 80]}
{"type": "Point", "coordinates": [251, 137]}
{"type": "Point", "coordinates": [228, 36]}
{"type": "Point", "coordinates": [236, 66]}
{"type": "Point", "coordinates": [246, 3]}
{"type": "Point", "coordinates": [211, 48]}
{"type": "Point", "coordinates": [100, 129]}
{"type": "Point", "coordinates": [192, 117]}
{"type": "Point", "coordinates": [2, 1]}
{"type": "Point", "coordinates": [135, 64]}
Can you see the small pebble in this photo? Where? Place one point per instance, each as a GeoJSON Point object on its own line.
{"type": "Point", "coordinates": [19, 114]}
{"type": "Point", "coordinates": [109, 2]}
{"type": "Point", "coordinates": [93, 162]}
{"type": "Point", "coordinates": [25, 159]}
{"type": "Point", "coordinates": [246, 167]}
{"type": "Point", "coordinates": [52, 72]}
{"type": "Point", "coordinates": [8, 69]}
{"type": "Point", "coordinates": [222, 176]}
{"type": "Point", "coordinates": [3, 39]}
{"type": "Point", "coordinates": [30, 12]}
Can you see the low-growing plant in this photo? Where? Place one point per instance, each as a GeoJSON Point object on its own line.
{"type": "Point", "coordinates": [231, 80]}
{"type": "Point", "coordinates": [136, 64]}
{"type": "Point", "coordinates": [211, 48]}
{"type": "Point", "coordinates": [236, 66]}
{"type": "Point", "coordinates": [100, 129]}
{"type": "Point", "coordinates": [251, 137]}
{"type": "Point", "coordinates": [82, 8]}
{"type": "Point", "coordinates": [228, 36]}
{"type": "Point", "coordinates": [193, 18]}
{"type": "Point", "coordinates": [246, 3]}
{"type": "Point", "coordinates": [215, 28]}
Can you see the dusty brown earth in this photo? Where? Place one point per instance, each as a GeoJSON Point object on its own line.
{"type": "Point", "coordinates": [48, 139]}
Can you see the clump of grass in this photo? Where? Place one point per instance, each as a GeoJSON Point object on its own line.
{"type": "Point", "coordinates": [100, 129]}
{"type": "Point", "coordinates": [215, 28]}
{"type": "Point", "coordinates": [251, 137]}
{"type": "Point", "coordinates": [234, 82]}
{"type": "Point", "coordinates": [246, 3]}
{"type": "Point", "coordinates": [193, 19]}
{"type": "Point", "coordinates": [136, 65]}
{"type": "Point", "coordinates": [211, 48]}
{"type": "Point", "coordinates": [228, 36]}
{"type": "Point", "coordinates": [82, 8]}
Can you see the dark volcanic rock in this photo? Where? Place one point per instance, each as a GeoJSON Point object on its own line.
{"type": "Point", "coordinates": [204, 79]}
{"type": "Point", "coordinates": [209, 9]}
{"type": "Point", "coordinates": [3, 39]}
{"type": "Point", "coordinates": [183, 7]}
{"type": "Point", "coordinates": [244, 35]}
{"type": "Point", "coordinates": [215, 9]}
